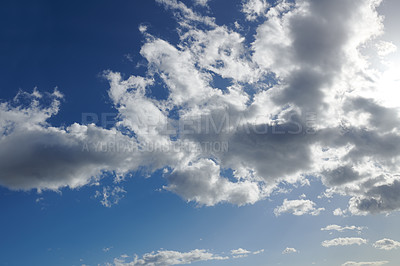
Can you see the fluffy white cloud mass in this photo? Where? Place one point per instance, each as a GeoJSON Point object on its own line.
{"type": "Point", "coordinates": [297, 207]}
{"type": "Point", "coordinates": [242, 114]}
{"type": "Point", "coordinates": [36, 155]}
{"type": "Point", "coordinates": [344, 241]}
{"type": "Point", "coordinates": [387, 244]}
{"type": "Point", "coordinates": [169, 257]}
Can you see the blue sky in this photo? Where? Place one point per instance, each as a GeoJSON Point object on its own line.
{"type": "Point", "coordinates": [199, 132]}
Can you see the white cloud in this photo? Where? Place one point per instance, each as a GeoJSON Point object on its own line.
{"type": "Point", "coordinates": [258, 251]}
{"type": "Point", "coordinates": [334, 227]}
{"type": "Point", "coordinates": [294, 77]}
{"type": "Point", "coordinates": [297, 207]}
{"type": "Point", "coordinates": [239, 251]}
{"type": "Point", "coordinates": [289, 251]}
{"type": "Point", "coordinates": [178, 71]}
{"type": "Point", "coordinates": [169, 257]}
{"type": "Point", "coordinates": [201, 2]}
{"type": "Point", "coordinates": [35, 155]}
{"type": "Point", "coordinates": [186, 14]}
{"type": "Point", "coordinates": [254, 8]}
{"type": "Point", "coordinates": [387, 244]}
{"type": "Point", "coordinates": [107, 249]}
{"type": "Point", "coordinates": [339, 212]}
{"type": "Point", "coordinates": [385, 48]}
{"type": "Point", "coordinates": [371, 263]}
{"type": "Point", "coordinates": [243, 253]}
{"type": "Point", "coordinates": [344, 241]}
{"type": "Point", "coordinates": [223, 52]}
{"type": "Point", "coordinates": [110, 196]}
{"type": "Point", "coordinates": [300, 99]}
{"type": "Point", "coordinates": [240, 256]}
{"type": "Point", "coordinates": [201, 182]}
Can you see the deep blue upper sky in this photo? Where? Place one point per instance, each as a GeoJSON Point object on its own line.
{"type": "Point", "coordinates": [68, 44]}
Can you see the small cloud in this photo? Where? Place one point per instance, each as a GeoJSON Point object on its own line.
{"type": "Point", "coordinates": [328, 194]}
{"type": "Point", "coordinates": [39, 199]}
{"type": "Point", "coordinates": [334, 227]}
{"type": "Point", "coordinates": [289, 251]}
{"type": "Point", "coordinates": [385, 48]}
{"type": "Point", "coordinates": [142, 28]}
{"type": "Point", "coordinates": [254, 9]}
{"type": "Point", "coordinates": [201, 2]}
{"type": "Point", "coordinates": [298, 207]}
{"type": "Point", "coordinates": [344, 241]}
{"type": "Point", "coordinates": [128, 57]}
{"type": "Point", "coordinates": [258, 251]}
{"type": "Point", "coordinates": [237, 25]}
{"type": "Point", "coordinates": [371, 263]}
{"type": "Point", "coordinates": [239, 251]}
{"type": "Point", "coordinates": [110, 196]}
{"type": "Point", "coordinates": [386, 244]}
{"type": "Point", "coordinates": [339, 212]}
{"type": "Point", "coordinates": [107, 249]}
{"type": "Point", "coordinates": [243, 253]}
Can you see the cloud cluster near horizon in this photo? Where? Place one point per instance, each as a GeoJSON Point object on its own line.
{"type": "Point", "coordinates": [365, 263]}
{"type": "Point", "coordinates": [344, 241]}
{"type": "Point", "coordinates": [170, 257]}
{"type": "Point", "coordinates": [299, 99]}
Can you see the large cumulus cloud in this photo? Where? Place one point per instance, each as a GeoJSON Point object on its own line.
{"type": "Point", "coordinates": [299, 98]}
